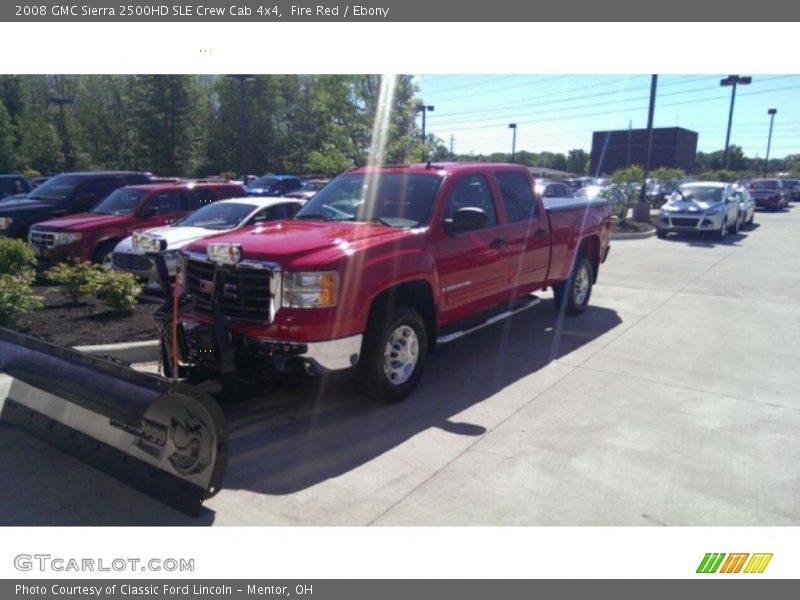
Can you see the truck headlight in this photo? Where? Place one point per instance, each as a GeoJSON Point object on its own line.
{"type": "Point", "coordinates": [5, 222]}
{"type": "Point", "coordinates": [64, 238]}
{"type": "Point", "coordinates": [148, 244]}
{"type": "Point", "coordinates": [311, 289]}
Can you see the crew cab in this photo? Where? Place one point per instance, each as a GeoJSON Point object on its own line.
{"type": "Point", "coordinates": [64, 194]}
{"type": "Point", "coordinates": [383, 265]}
{"type": "Point", "coordinates": [92, 236]}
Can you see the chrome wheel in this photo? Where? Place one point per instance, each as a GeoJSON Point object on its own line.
{"type": "Point", "coordinates": [400, 355]}
{"type": "Point", "coordinates": [107, 261]}
{"type": "Point", "coordinates": [581, 286]}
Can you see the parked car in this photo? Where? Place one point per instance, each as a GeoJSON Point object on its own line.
{"type": "Point", "coordinates": [93, 235]}
{"type": "Point", "coordinates": [309, 189]}
{"type": "Point", "coordinates": [64, 194]}
{"type": "Point", "coordinates": [129, 254]}
{"type": "Point", "coordinates": [37, 181]}
{"type": "Point", "coordinates": [375, 271]}
{"type": "Point", "coordinates": [769, 193]}
{"type": "Point", "coordinates": [274, 185]}
{"type": "Point", "coordinates": [13, 185]}
{"type": "Point", "coordinates": [701, 207]}
{"type": "Point", "coordinates": [577, 183]}
{"type": "Point", "coordinates": [747, 206]}
{"type": "Point", "coordinates": [794, 188]}
{"type": "Point", "coordinates": [552, 189]}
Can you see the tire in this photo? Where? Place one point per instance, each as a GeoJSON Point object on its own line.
{"type": "Point", "coordinates": [723, 230]}
{"type": "Point", "coordinates": [393, 354]}
{"type": "Point", "coordinates": [662, 235]}
{"type": "Point", "coordinates": [102, 256]}
{"type": "Point", "coordinates": [736, 225]}
{"type": "Point", "coordinates": [752, 217]}
{"type": "Point", "coordinates": [572, 296]}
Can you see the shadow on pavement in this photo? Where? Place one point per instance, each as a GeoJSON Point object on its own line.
{"type": "Point", "coordinates": [301, 436]}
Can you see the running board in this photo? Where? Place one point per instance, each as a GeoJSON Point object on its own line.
{"type": "Point", "coordinates": [525, 304]}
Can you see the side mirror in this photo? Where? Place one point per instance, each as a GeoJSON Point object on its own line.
{"type": "Point", "coordinates": [149, 212]}
{"type": "Point", "coordinates": [468, 218]}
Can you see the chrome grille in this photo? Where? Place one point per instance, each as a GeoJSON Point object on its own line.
{"type": "Point", "coordinates": [42, 239]}
{"type": "Point", "coordinates": [132, 262]}
{"type": "Point", "coordinates": [246, 291]}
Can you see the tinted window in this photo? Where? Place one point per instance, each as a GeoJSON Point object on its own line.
{"type": "Point", "coordinates": [199, 196]}
{"type": "Point", "coordinates": [472, 191]}
{"type": "Point", "coordinates": [59, 187]}
{"type": "Point", "coordinates": [100, 188]}
{"type": "Point", "coordinates": [230, 191]}
{"type": "Point", "coordinates": [517, 197]}
{"type": "Point", "coordinates": [121, 202]}
{"type": "Point", "coordinates": [764, 185]}
{"type": "Point", "coordinates": [165, 203]}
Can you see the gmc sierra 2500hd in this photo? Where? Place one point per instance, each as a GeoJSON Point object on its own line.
{"type": "Point", "coordinates": [379, 268]}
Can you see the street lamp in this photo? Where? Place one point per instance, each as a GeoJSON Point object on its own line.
{"type": "Point", "coordinates": [732, 81]}
{"type": "Point", "coordinates": [771, 112]}
{"type": "Point", "coordinates": [243, 124]}
{"type": "Point", "coordinates": [423, 108]}
{"type": "Point", "coordinates": [513, 140]}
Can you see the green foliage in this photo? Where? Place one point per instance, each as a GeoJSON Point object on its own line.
{"type": "Point", "coordinates": [78, 280]}
{"type": "Point", "coordinates": [17, 258]}
{"type": "Point", "coordinates": [629, 180]}
{"type": "Point", "coordinates": [16, 298]}
{"type": "Point", "coordinates": [118, 290]}
{"type": "Point", "coordinates": [719, 175]}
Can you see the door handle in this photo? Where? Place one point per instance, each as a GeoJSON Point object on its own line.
{"type": "Point", "coordinates": [497, 243]}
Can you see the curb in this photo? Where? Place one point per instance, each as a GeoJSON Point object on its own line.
{"type": "Point", "coordinates": [633, 236]}
{"type": "Point", "coordinates": [131, 352]}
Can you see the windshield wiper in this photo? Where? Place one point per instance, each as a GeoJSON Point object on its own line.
{"type": "Point", "coordinates": [312, 216]}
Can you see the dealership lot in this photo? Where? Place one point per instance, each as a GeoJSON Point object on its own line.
{"type": "Point", "coordinates": [672, 401]}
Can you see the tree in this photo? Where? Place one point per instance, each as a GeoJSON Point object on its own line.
{"type": "Point", "coordinates": [577, 161]}
{"type": "Point", "coordinates": [630, 181]}
{"type": "Point", "coordinates": [8, 160]}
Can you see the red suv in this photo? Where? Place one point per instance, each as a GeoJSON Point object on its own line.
{"type": "Point", "coordinates": [93, 235]}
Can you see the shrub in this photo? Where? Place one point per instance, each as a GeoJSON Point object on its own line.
{"type": "Point", "coordinates": [77, 280]}
{"type": "Point", "coordinates": [16, 298]}
{"type": "Point", "coordinates": [118, 290]}
{"type": "Point", "coordinates": [17, 258]}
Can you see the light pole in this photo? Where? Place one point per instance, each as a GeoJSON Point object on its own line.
{"type": "Point", "coordinates": [424, 108]}
{"type": "Point", "coordinates": [641, 210]}
{"type": "Point", "coordinates": [771, 112]}
{"type": "Point", "coordinates": [732, 81]}
{"type": "Point", "coordinates": [243, 124]}
{"type": "Point", "coordinates": [513, 126]}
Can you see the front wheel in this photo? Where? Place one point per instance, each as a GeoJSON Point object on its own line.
{"type": "Point", "coordinates": [572, 296]}
{"type": "Point", "coordinates": [722, 230]}
{"type": "Point", "coordinates": [393, 354]}
{"type": "Point", "coordinates": [102, 256]}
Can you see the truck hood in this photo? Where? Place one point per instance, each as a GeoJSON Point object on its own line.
{"type": "Point", "coordinates": [84, 222]}
{"type": "Point", "coordinates": [306, 244]}
{"type": "Point", "coordinates": [18, 205]}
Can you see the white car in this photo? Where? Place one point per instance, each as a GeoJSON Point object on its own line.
{"type": "Point", "coordinates": [225, 215]}
{"type": "Point", "coordinates": [701, 207]}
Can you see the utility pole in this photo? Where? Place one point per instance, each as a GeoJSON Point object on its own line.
{"type": "Point", "coordinates": [513, 126]}
{"type": "Point", "coordinates": [771, 112]}
{"type": "Point", "coordinates": [641, 211]}
{"type": "Point", "coordinates": [731, 81]}
{"type": "Point", "coordinates": [243, 125]}
{"type": "Point", "coordinates": [424, 108]}
{"type": "Point", "coordinates": [452, 138]}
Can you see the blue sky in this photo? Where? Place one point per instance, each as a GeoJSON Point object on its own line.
{"type": "Point", "coordinates": [560, 112]}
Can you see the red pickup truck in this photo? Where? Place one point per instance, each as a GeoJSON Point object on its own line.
{"type": "Point", "coordinates": [380, 267]}
{"type": "Point", "coordinates": [93, 235]}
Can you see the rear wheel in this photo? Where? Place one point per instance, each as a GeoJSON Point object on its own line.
{"type": "Point", "coordinates": [661, 234]}
{"type": "Point", "coordinates": [393, 354]}
{"type": "Point", "coordinates": [572, 296]}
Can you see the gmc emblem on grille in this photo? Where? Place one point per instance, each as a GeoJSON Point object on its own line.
{"type": "Point", "coordinates": [207, 287]}
{"type": "Point", "coordinates": [230, 291]}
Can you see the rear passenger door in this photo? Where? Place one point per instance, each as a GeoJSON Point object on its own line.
{"type": "Point", "coordinates": [525, 233]}
{"type": "Point", "coordinates": [473, 272]}
{"type": "Point", "coordinates": [163, 208]}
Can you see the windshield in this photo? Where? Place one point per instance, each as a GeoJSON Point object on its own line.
{"type": "Point", "coordinates": [395, 199]}
{"type": "Point", "coordinates": [123, 201]}
{"type": "Point", "coordinates": [764, 185]}
{"type": "Point", "coordinates": [699, 194]}
{"type": "Point", "coordinates": [57, 188]}
{"type": "Point", "coordinates": [313, 186]}
{"type": "Point", "coordinates": [218, 216]}
{"type": "Point", "coordinates": [263, 182]}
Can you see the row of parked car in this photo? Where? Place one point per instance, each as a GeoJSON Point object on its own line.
{"type": "Point", "coordinates": [98, 216]}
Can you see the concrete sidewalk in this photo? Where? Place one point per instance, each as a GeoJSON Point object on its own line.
{"type": "Point", "coordinates": [674, 400]}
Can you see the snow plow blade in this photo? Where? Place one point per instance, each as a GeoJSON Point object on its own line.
{"type": "Point", "coordinates": [168, 440]}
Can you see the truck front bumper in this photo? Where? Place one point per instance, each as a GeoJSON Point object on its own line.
{"type": "Point", "coordinates": [321, 356]}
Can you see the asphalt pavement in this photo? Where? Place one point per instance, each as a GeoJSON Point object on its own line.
{"type": "Point", "coordinates": [674, 400]}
